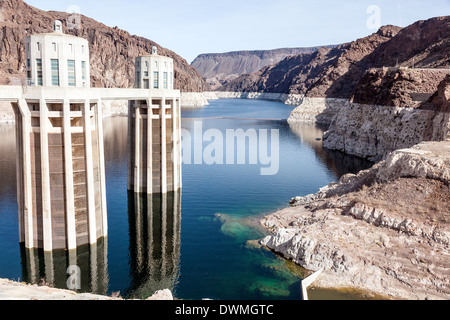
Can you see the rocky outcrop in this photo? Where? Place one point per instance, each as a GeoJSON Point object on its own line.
{"type": "Point", "coordinates": [384, 230]}
{"type": "Point", "coordinates": [372, 131]}
{"type": "Point", "coordinates": [398, 87]}
{"type": "Point", "coordinates": [221, 68]}
{"type": "Point", "coordinates": [317, 110]}
{"type": "Point", "coordinates": [440, 103]}
{"type": "Point", "coordinates": [112, 50]}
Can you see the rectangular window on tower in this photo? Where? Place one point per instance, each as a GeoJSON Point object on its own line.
{"type": "Point", "coordinates": [71, 72]}
{"type": "Point", "coordinates": [146, 69]}
{"type": "Point", "coordinates": [39, 72]}
{"type": "Point", "coordinates": [156, 80]}
{"type": "Point", "coordinates": [146, 84]}
{"type": "Point", "coordinates": [55, 72]}
{"type": "Point", "coordinates": [83, 70]}
{"type": "Point", "coordinates": [138, 79]}
{"type": "Point", "coordinates": [165, 80]}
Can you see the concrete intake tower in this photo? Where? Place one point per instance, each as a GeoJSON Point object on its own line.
{"type": "Point", "coordinates": [59, 132]}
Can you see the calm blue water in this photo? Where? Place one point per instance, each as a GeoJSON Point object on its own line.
{"type": "Point", "coordinates": [194, 243]}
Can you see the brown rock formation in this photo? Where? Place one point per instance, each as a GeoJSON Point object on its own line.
{"type": "Point", "coordinates": [315, 74]}
{"type": "Point", "coordinates": [440, 100]}
{"type": "Point", "coordinates": [112, 50]}
{"type": "Point", "coordinates": [398, 87]}
{"type": "Point", "coordinates": [334, 73]}
{"type": "Point", "coordinates": [385, 230]}
{"type": "Point", "coordinates": [222, 68]}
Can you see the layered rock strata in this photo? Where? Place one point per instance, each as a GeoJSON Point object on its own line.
{"type": "Point", "coordinates": [373, 131]}
{"type": "Point", "coordinates": [385, 230]}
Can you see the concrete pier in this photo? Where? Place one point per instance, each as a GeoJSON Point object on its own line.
{"type": "Point", "coordinates": [154, 145]}
{"type": "Point", "coordinates": [154, 129]}
{"type": "Point", "coordinates": [62, 204]}
{"type": "Point", "coordinates": [61, 184]}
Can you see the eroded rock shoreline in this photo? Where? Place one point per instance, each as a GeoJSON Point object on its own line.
{"type": "Point", "coordinates": [385, 230]}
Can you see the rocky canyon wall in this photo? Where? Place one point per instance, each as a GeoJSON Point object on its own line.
{"type": "Point", "coordinates": [112, 50]}
{"type": "Point", "coordinates": [384, 230]}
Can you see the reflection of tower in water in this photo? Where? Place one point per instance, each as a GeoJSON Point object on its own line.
{"type": "Point", "coordinates": [155, 228]}
{"type": "Point", "coordinates": [89, 262]}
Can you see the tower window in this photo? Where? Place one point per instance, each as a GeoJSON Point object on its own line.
{"type": "Point", "coordinates": [54, 46]}
{"type": "Point", "coordinates": [138, 79]}
{"type": "Point", "coordinates": [71, 72]}
{"type": "Point", "coordinates": [146, 69]}
{"type": "Point", "coordinates": [83, 70]}
{"type": "Point", "coordinates": [165, 80]}
{"type": "Point", "coordinates": [39, 72]}
{"type": "Point", "coordinates": [156, 80]}
{"type": "Point", "coordinates": [55, 72]}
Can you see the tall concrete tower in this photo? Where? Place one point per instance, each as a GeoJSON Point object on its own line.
{"type": "Point", "coordinates": [57, 59]}
{"type": "Point", "coordinates": [154, 129]}
{"type": "Point", "coordinates": [60, 159]}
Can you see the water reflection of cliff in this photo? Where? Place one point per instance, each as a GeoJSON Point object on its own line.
{"type": "Point", "coordinates": [339, 162]}
{"type": "Point", "coordinates": [53, 267]}
{"type": "Point", "coordinates": [155, 228]}
{"type": "Point", "coordinates": [115, 132]}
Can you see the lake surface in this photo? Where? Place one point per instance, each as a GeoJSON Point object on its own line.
{"type": "Point", "coordinates": [194, 242]}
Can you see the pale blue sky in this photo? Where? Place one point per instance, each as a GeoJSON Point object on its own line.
{"type": "Point", "coordinates": [192, 27]}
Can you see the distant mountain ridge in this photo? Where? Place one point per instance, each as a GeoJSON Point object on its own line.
{"type": "Point", "coordinates": [112, 50]}
{"type": "Point", "coordinates": [336, 72]}
{"type": "Point", "coordinates": [221, 68]}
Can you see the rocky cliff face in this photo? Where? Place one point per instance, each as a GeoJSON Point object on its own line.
{"type": "Point", "coordinates": [385, 230]}
{"type": "Point", "coordinates": [373, 131]}
{"type": "Point", "coordinates": [398, 87]}
{"type": "Point", "coordinates": [334, 73]}
{"type": "Point", "coordinates": [112, 50]}
{"type": "Point", "coordinates": [315, 73]}
{"type": "Point", "coordinates": [221, 68]}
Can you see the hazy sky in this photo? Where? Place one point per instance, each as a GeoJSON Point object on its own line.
{"type": "Point", "coordinates": [192, 27]}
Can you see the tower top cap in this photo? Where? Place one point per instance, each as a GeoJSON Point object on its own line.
{"type": "Point", "coordinates": [57, 26]}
